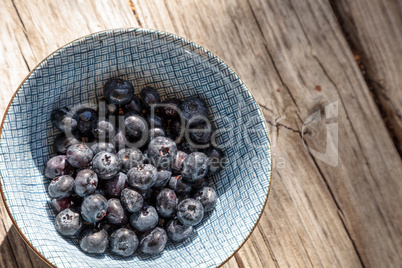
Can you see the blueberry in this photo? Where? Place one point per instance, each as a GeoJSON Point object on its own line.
{"type": "Point", "coordinates": [217, 159]}
{"type": "Point", "coordinates": [149, 96]}
{"type": "Point", "coordinates": [153, 241]}
{"type": "Point", "coordinates": [79, 155]}
{"type": "Point", "coordinates": [68, 222]}
{"type": "Point", "coordinates": [170, 108]}
{"type": "Point", "coordinates": [61, 187]}
{"type": "Point", "coordinates": [120, 140]}
{"type": "Point", "coordinates": [59, 205]}
{"type": "Point", "coordinates": [150, 196]}
{"type": "Point", "coordinates": [131, 200]}
{"type": "Point", "coordinates": [142, 177]}
{"type": "Point", "coordinates": [166, 203]}
{"type": "Point", "coordinates": [134, 106]}
{"type": "Point", "coordinates": [162, 152]}
{"type": "Point", "coordinates": [190, 212]}
{"type": "Point", "coordinates": [103, 129]}
{"type": "Point", "coordinates": [200, 133]}
{"type": "Point", "coordinates": [163, 177]}
{"type": "Point", "coordinates": [62, 142]}
{"type": "Point", "coordinates": [195, 166]}
{"type": "Point", "coordinates": [186, 147]}
{"type": "Point", "coordinates": [198, 185]}
{"type": "Point", "coordinates": [178, 163]}
{"type": "Point", "coordinates": [85, 182]}
{"type": "Point", "coordinates": [195, 109]}
{"type": "Point", "coordinates": [62, 120]}
{"type": "Point", "coordinates": [115, 185]}
{"type": "Point", "coordinates": [207, 197]}
{"type": "Point", "coordinates": [115, 212]}
{"type": "Point", "coordinates": [86, 119]}
{"type": "Point", "coordinates": [129, 158]}
{"type": "Point", "coordinates": [123, 242]}
{"type": "Point", "coordinates": [154, 121]}
{"type": "Point", "coordinates": [106, 225]}
{"type": "Point", "coordinates": [57, 166]}
{"type": "Point", "coordinates": [94, 241]}
{"type": "Point", "coordinates": [177, 232]}
{"type": "Point", "coordinates": [145, 219]}
{"type": "Point", "coordinates": [94, 208]}
{"type": "Point", "coordinates": [103, 147]}
{"type": "Point", "coordinates": [118, 91]}
{"type": "Point", "coordinates": [136, 128]}
{"type": "Point", "coordinates": [180, 186]}
{"type": "Point", "coordinates": [106, 165]}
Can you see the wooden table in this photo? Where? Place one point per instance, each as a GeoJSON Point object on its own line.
{"type": "Point", "coordinates": [297, 57]}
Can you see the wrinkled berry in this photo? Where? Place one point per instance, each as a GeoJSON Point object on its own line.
{"type": "Point", "coordinates": [57, 166]}
{"type": "Point", "coordinates": [131, 200]}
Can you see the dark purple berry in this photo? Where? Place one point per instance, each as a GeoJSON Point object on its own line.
{"type": "Point", "coordinates": [180, 186]}
{"type": "Point", "coordinates": [129, 158]}
{"type": "Point", "coordinates": [195, 109]}
{"type": "Point", "coordinates": [68, 222]}
{"type": "Point", "coordinates": [57, 166]}
{"type": "Point", "coordinates": [134, 106]}
{"type": "Point", "coordinates": [85, 182]}
{"type": "Point", "coordinates": [94, 241]}
{"type": "Point", "coordinates": [131, 200]}
{"type": "Point", "coordinates": [195, 166]}
{"type": "Point", "coordinates": [115, 212]}
{"type": "Point", "coordinates": [62, 120]}
{"type": "Point", "coordinates": [207, 197]}
{"type": "Point", "coordinates": [142, 177]}
{"type": "Point", "coordinates": [163, 178]}
{"type": "Point", "coordinates": [59, 205]}
{"type": "Point", "coordinates": [162, 152]}
{"type": "Point", "coordinates": [118, 91]}
{"type": "Point", "coordinates": [86, 119]}
{"type": "Point", "coordinates": [62, 142]}
{"type": "Point", "coordinates": [115, 185]}
{"type": "Point", "coordinates": [103, 130]}
{"type": "Point", "coordinates": [106, 165]}
{"type": "Point", "coordinates": [79, 155]}
{"type": "Point", "coordinates": [149, 96]}
{"type": "Point", "coordinates": [190, 212]}
{"type": "Point", "coordinates": [123, 242]}
{"type": "Point", "coordinates": [153, 241]}
{"type": "Point", "coordinates": [94, 208]}
{"type": "Point", "coordinates": [177, 232]}
{"type": "Point", "coordinates": [170, 108]}
{"type": "Point", "coordinates": [217, 159]}
{"type": "Point", "coordinates": [61, 187]}
{"type": "Point", "coordinates": [103, 147]}
{"type": "Point", "coordinates": [145, 219]}
{"type": "Point", "coordinates": [166, 203]}
{"type": "Point", "coordinates": [178, 163]}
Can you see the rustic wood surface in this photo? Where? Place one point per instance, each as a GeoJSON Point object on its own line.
{"type": "Point", "coordinates": [296, 59]}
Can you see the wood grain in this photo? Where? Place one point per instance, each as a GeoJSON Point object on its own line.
{"type": "Point", "coordinates": [295, 59]}
{"type": "Point", "coordinates": [374, 30]}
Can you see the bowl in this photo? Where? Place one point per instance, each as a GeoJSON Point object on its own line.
{"type": "Point", "coordinates": [176, 67]}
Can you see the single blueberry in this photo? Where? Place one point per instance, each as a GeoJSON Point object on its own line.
{"type": "Point", "coordinates": [79, 155]}
{"type": "Point", "coordinates": [180, 186]}
{"type": "Point", "coordinates": [162, 152]}
{"type": "Point", "coordinates": [103, 130]}
{"type": "Point", "coordinates": [59, 205]}
{"type": "Point", "coordinates": [136, 128]}
{"type": "Point", "coordinates": [62, 120]}
{"type": "Point", "coordinates": [103, 147]}
{"type": "Point", "coordinates": [166, 203]}
{"type": "Point", "coordinates": [86, 119]}
{"type": "Point", "coordinates": [170, 108]}
{"type": "Point", "coordinates": [177, 128]}
{"type": "Point", "coordinates": [177, 232]}
{"type": "Point", "coordinates": [142, 177]}
{"type": "Point", "coordinates": [200, 133]}
{"type": "Point", "coordinates": [145, 219]}
{"type": "Point", "coordinates": [190, 212]}
{"type": "Point", "coordinates": [149, 96]}
{"type": "Point", "coordinates": [131, 200]}
{"type": "Point", "coordinates": [115, 212]}
{"type": "Point", "coordinates": [118, 91]}
{"type": "Point", "coordinates": [115, 185]}
{"type": "Point", "coordinates": [163, 177]}
{"type": "Point", "coordinates": [106, 165]}
{"type": "Point", "coordinates": [57, 166]}
{"type": "Point", "coordinates": [207, 197]}
{"type": "Point", "coordinates": [68, 222]}
{"type": "Point", "coordinates": [123, 242]}
{"type": "Point", "coordinates": [198, 185]}
{"type": "Point", "coordinates": [134, 106]}
{"type": "Point", "coordinates": [85, 182]}
{"type": "Point", "coordinates": [217, 159]}
{"type": "Point", "coordinates": [94, 208]}
{"type": "Point", "coordinates": [129, 158]}
{"type": "Point", "coordinates": [153, 241]}
{"type": "Point", "coordinates": [61, 187]}
{"type": "Point", "coordinates": [94, 241]}
{"type": "Point", "coordinates": [62, 142]}
{"type": "Point", "coordinates": [154, 121]}
{"type": "Point", "coordinates": [194, 108]}
{"type": "Point", "coordinates": [195, 166]}
{"type": "Point", "coordinates": [178, 163]}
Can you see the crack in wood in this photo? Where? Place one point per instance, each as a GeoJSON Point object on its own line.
{"type": "Point", "coordinates": [133, 8]}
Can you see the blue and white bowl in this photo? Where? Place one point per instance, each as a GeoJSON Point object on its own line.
{"type": "Point", "coordinates": [176, 67]}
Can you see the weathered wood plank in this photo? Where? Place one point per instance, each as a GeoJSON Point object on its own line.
{"type": "Point", "coordinates": [374, 30]}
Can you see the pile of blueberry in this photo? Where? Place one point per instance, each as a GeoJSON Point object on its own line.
{"type": "Point", "coordinates": [132, 173]}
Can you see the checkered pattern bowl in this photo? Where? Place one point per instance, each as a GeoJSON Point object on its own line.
{"type": "Point", "coordinates": [176, 67]}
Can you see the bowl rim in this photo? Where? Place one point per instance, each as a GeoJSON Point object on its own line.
{"type": "Point", "coordinates": [146, 30]}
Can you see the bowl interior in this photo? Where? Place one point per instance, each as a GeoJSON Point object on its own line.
{"type": "Point", "coordinates": [176, 68]}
